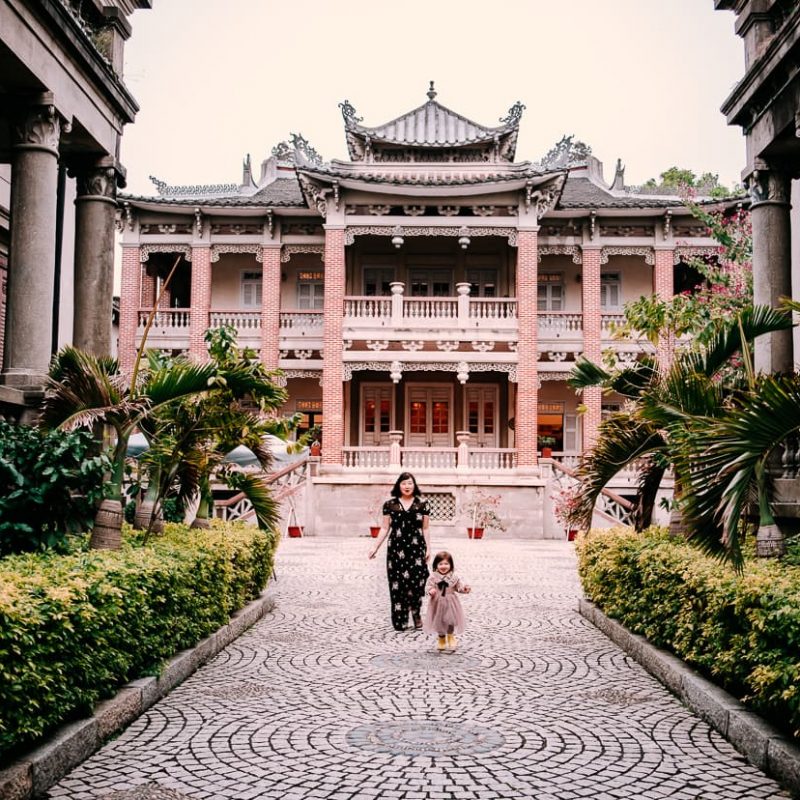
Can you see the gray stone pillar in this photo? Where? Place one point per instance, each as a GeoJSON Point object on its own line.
{"type": "Point", "coordinates": [95, 209]}
{"type": "Point", "coordinates": [772, 262]}
{"type": "Point", "coordinates": [31, 272]}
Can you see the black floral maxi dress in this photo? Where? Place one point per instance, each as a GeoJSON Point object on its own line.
{"type": "Point", "coordinates": [406, 567]}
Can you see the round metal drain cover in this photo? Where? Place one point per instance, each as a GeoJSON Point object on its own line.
{"type": "Point", "coordinates": [424, 739]}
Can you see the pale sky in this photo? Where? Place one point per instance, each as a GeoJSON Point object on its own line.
{"type": "Point", "coordinates": [640, 80]}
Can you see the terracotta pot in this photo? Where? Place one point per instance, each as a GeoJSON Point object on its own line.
{"type": "Point", "coordinates": [374, 530]}
{"type": "Point", "coordinates": [571, 535]}
{"type": "Point", "coordinates": [295, 531]}
{"type": "Point", "coordinates": [547, 452]}
{"type": "Point", "coordinates": [475, 533]}
{"type": "Point", "coordinates": [315, 449]}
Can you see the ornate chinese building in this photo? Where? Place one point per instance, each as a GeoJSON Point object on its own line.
{"type": "Point", "coordinates": [425, 299]}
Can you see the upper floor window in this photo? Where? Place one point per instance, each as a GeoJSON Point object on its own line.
{"type": "Point", "coordinates": [377, 281]}
{"type": "Point", "coordinates": [550, 292]}
{"type": "Point", "coordinates": [310, 289]}
{"type": "Point", "coordinates": [483, 282]}
{"type": "Point", "coordinates": [251, 289]}
{"type": "Point", "coordinates": [610, 291]}
{"type": "Point", "coordinates": [431, 282]}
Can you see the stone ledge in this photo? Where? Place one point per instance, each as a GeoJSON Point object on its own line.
{"type": "Point", "coordinates": [760, 743]}
{"type": "Point", "coordinates": [36, 771]}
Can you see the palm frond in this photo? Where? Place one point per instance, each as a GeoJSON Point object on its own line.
{"type": "Point", "coordinates": [258, 493]}
{"type": "Point", "coordinates": [587, 373]}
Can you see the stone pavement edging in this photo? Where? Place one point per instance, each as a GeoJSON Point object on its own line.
{"type": "Point", "coordinates": [761, 744]}
{"type": "Point", "coordinates": [34, 773]}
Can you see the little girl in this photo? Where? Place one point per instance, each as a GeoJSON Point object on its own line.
{"type": "Point", "coordinates": [444, 617]}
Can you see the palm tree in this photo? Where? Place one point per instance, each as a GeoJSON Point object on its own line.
{"type": "Point", "coordinates": [658, 426]}
{"type": "Point", "coordinates": [89, 391]}
{"type": "Point", "coordinates": [189, 440]}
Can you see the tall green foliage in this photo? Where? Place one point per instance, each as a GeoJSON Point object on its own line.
{"type": "Point", "coordinates": [50, 484]}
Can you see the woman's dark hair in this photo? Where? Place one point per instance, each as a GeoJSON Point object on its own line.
{"type": "Point", "coordinates": [443, 556]}
{"type": "Point", "coordinates": [404, 476]}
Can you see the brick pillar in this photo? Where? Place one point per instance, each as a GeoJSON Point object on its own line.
{"type": "Point", "coordinates": [201, 302]}
{"type": "Point", "coordinates": [663, 287]}
{"type": "Point", "coordinates": [148, 298]}
{"type": "Point", "coordinates": [270, 305]}
{"type": "Point", "coordinates": [332, 371]}
{"type": "Point", "coordinates": [129, 302]}
{"type": "Point", "coordinates": [590, 293]}
{"type": "Point", "coordinates": [525, 426]}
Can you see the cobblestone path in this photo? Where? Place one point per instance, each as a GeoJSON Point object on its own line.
{"type": "Point", "coordinates": [322, 699]}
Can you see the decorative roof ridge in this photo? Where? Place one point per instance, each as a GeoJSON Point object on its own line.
{"type": "Point", "coordinates": [202, 190]}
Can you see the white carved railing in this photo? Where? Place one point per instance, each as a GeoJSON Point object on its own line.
{"type": "Point", "coordinates": [489, 308]}
{"type": "Point", "coordinates": [492, 458]}
{"type": "Point", "coordinates": [368, 307]}
{"type": "Point", "coordinates": [283, 484]}
{"type": "Point", "coordinates": [365, 457]}
{"type": "Point", "coordinates": [608, 321]}
{"type": "Point", "coordinates": [300, 320]}
{"type": "Point", "coordinates": [559, 323]}
{"type": "Point", "coordinates": [430, 308]}
{"type": "Point", "coordinates": [430, 457]}
{"type": "Point", "coordinates": [569, 460]}
{"type": "Point", "coordinates": [168, 318]}
{"type": "Point", "coordinates": [241, 320]}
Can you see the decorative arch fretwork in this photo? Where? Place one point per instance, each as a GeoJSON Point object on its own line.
{"type": "Point", "coordinates": [146, 249]}
{"type": "Point", "coordinates": [682, 253]}
{"type": "Point", "coordinates": [648, 253]}
{"type": "Point", "coordinates": [411, 230]}
{"type": "Point", "coordinates": [288, 250]}
{"type": "Point", "coordinates": [562, 250]}
{"type": "Point", "coordinates": [428, 366]}
{"type": "Point", "coordinates": [218, 249]}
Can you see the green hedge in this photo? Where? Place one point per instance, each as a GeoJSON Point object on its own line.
{"type": "Point", "coordinates": [73, 628]}
{"type": "Point", "coordinates": [741, 630]}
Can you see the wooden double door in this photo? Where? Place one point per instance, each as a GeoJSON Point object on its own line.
{"type": "Point", "coordinates": [429, 417]}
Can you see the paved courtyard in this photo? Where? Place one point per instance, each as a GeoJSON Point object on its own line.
{"type": "Point", "coordinates": [322, 699]}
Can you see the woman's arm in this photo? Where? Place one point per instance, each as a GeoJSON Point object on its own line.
{"type": "Point", "coordinates": [383, 533]}
{"type": "Point", "coordinates": [427, 535]}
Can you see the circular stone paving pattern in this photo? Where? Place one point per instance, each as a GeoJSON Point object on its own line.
{"type": "Point", "coordinates": [424, 739]}
{"type": "Point", "coordinates": [425, 662]}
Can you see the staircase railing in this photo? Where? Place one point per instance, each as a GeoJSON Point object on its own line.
{"type": "Point", "coordinates": [610, 506]}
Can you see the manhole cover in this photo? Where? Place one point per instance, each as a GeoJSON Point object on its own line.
{"type": "Point", "coordinates": [426, 662]}
{"type": "Point", "coordinates": [424, 738]}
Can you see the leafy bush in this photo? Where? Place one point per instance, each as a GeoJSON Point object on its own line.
{"type": "Point", "coordinates": [50, 484]}
{"type": "Point", "coordinates": [75, 627]}
{"type": "Point", "coordinates": [743, 630]}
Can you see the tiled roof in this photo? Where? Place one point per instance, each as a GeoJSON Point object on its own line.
{"type": "Point", "coordinates": [585, 193]}
{"type": "Point", "coordinates": [431, 125]}
{"type": "Point", "coordinates": [281, 192]}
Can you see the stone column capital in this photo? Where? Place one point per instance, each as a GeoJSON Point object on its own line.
{"type": "Point", "coordinates": [37, 127]}
{"type": "Point", "coordinates": [96, 182]}
{"type": "Point", "coordinates": [766, 185]}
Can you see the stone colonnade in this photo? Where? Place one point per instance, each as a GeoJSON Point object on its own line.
{"type": "Point", "coordinates": [32, 268]}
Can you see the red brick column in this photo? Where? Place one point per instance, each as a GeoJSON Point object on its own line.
{"type": "Point", "coordinates": [270, 305]}
{"type": "Point", "coordinates": [332, 370]}
{"type": "Point", "coordinates": [129, 302]}
{"type": "Point", "coordinates": [590, 291]}
{"type": "Point", "coordinates": [201, 302]}
{"type": "Point", "coordinates": [526, 422]}
{"type": "Point", "coordinates": [148, 297]}
{"type": "Point", "coordinates": [663, 287]}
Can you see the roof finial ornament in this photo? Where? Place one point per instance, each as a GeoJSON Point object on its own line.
{"type": "Point", "coordinates": [349, 113]}
{"type": "Point", "coordinates": [431, 92]}
{"type": "Point", "coordinates": [514, 114]}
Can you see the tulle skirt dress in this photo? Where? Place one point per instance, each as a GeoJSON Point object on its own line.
{"type": "Point", "coordinates": [443, 611]}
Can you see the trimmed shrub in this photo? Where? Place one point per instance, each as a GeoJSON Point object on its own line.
{"type": "Point", "coordinates": [73, 628]}
{"type": "Point", "coordinates": [741, 630]}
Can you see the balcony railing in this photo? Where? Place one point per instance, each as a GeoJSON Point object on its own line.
{"type": "Point", "coordinates": [243, 321]}
{"type": "Point", "coordinates": [168, 318]}
{"type": "Point", "coordinates": [295, 321]}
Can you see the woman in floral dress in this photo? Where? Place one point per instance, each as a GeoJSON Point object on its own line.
{"type": "Point", "coordinates": [405, 522]}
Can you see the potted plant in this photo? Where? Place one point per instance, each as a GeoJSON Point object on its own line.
{"type": "Point", "coordinates": [546, 446]}
{"type": "Point", "coordinates": [565, 509]}
{"type": "Point", "coordinates": [375, 511]}
{"type": "Point", "coordinates": [480, 513]}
